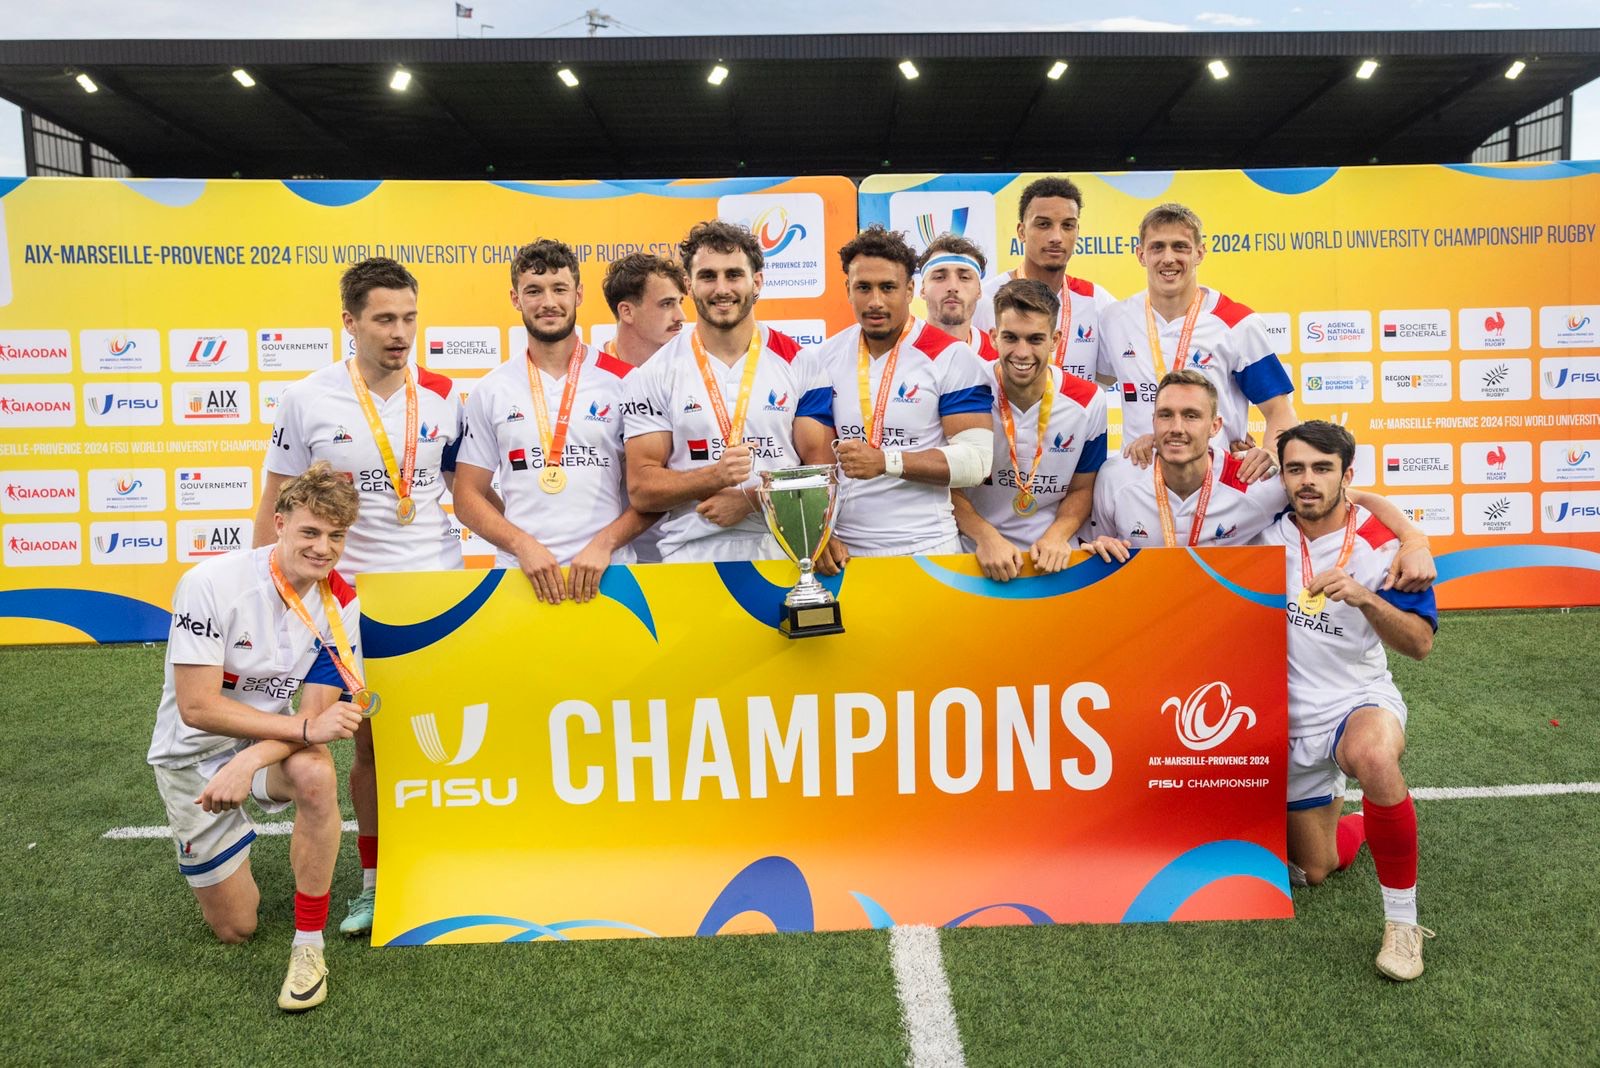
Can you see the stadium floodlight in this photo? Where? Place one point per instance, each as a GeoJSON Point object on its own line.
{"type": "Point", "coordinates": [1057, 69]}
{"type": "Point", "coordinates": [401, 79]}
{"type": "Point", "coordinates": [909, 69]}
{"type": "Point", "coordinates": [718, 75]}
{"type": "Point", "coordinates": [1368, 68]}
{"type": "Point", "coordinates": [87, 83]}
{"type": "Point", "coordinates": [1516, 68]}
{"type": "Point", "coordinates": [569, 79]}
{"type": "Point", "coordinates": [242, 76]}
{"type": "Point", "coordinates": [1218, 69]}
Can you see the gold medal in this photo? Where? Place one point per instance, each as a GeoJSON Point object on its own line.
{"type": "Point", "coordinates": [1312, 603]}
{"type": "Point", "coordinates": [1024, 503]}
{"type": "Point", "coordinates": [553, 480]}
{"type": "Point", "coordinates": [406, 511]}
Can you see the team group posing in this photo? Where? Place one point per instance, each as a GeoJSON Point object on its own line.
{"type": "Point", "coordinates": [981, 429]}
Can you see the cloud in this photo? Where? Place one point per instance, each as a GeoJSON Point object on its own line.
{"type": "Point", "coordinates": [1126, 24]}
{"type": "Point", "coordinates": [1222, 18]}
{"type": "Point", "coordinates": [1492, 6]}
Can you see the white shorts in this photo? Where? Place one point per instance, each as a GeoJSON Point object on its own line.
{"type": "Point", "coordinates": [211, 845]}
{"type": "Point", "coordinates": [1315, 778]}
{"type": "Point", "coordinates": [733, 545]}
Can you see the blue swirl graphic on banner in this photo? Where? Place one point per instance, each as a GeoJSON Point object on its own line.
{"type": "Point", "coordinates": [528, 931]}
{"type": "Point", "coordinates": [1193, 871]}
{"type": "Point", "coordinates": [877, 915]}
{"type": "Point", "coordinates": [656, 187]}
{"type": "Point", "coordinates": [398, 639]}
{"type": "Point", "coordinates": [8, 184]}
{"type": "Point", "coordinates": [1035, 915]}
{"type": "Point", "coordinates": [105, 617]}
{"type": "Point", "coordinates": [1544, 172]}
{"type": "Point", "coordinates": [332, 194]}
{"type": "Point", "coordinates": [1033, 588]}
{"type": "Point", "coordinates": [1145, 185]}
{"type": "Point", "coordinates": [621, 585]}
{"type": "Point", "coordinates": [1292, 181]}
{"type": "Point", "coordinates": [169, 192]}
{"type": "Point", "coordinates": [761, 599]}
{"type": "Point", "coordinates": [1270, 600]}
{"type": "Point", "coordinates": [1510, 557]}
{"type": "Point", "coordinates": [577, 925]}
{"type": "Point", "coordinates": [772, 886]}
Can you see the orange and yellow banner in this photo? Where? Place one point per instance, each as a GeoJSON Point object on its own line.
{"type": "Point", "coordinates": [1077, 747]}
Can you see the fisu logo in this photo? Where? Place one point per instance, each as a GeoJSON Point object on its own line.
{"type": "Point", "coordinates": [474, 722]}
{"type": "Point", "coordinates": [1194, 730]}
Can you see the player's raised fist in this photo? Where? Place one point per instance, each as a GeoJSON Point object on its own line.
{"type": "Point", "coordinates": [857, 459]}
{"type": "Point", "coordinates": [735, 464]}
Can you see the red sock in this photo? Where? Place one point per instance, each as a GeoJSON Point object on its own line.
{"type": "Point", "coordinates": [1351, 833]}
{"type": "Point", "coordinates": [367, 846]}
{"type": "Point", "coordinates": [310, 913]}
{"type": "Point", "coordinates": [1392, 837]}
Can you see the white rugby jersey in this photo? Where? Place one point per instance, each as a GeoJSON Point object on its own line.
{"type": "Point", "coordinates": [319, 418]}
{"type": "Point", "coordinates": [1336, 656]}
{"type": "Point", "coordinates": [1229, 346]}
{"type": "Point", "coordinates": [503, 437]}
{"type": "Point", "coordinates": [935, 376]}
{"type": "Point", "coordinates": [1089, 301]}
{"type": "Point", "coordinates": [1125, 505]}
{"type": "Point", "coordinates": [227, 612]}
{"type": "Point", "coordinates": [669, 395]}
{"type": "Point", "coordinates": [1075, 442]}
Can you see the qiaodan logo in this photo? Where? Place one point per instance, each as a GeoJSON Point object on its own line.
{"type": "Point", "coordinates": [1198, 733]}
{"type": "Point", "coordinates": [774, 230]}
{"type": "Point", "coordinates": [453, 793]}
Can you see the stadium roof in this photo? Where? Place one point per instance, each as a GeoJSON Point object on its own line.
{"type": "Point", "coordinates": [792, 104]}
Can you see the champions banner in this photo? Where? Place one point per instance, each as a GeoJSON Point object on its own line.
{"type": "Point", "coordinates": [1076, 747]}
{"type": "Point", "coordinates": [147, 329]}
{"type": "Point", "coordinates": [1448, 315]}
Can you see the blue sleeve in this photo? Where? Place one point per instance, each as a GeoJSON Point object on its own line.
{"type": "Point", "coordinates": [816, 404]}
{"type": "Point", "coordinates": [1263, 380]}
{"type": "Point", "coordinates": [1092, 456]}
{"type": "Point", "coordinates": [1418, 604]}
{"type": "Point", "coordinates": [322, 672]}
{"type": "Point", "coordinates": [448, 461]}
{"type": "Point", "coordinates": [971, 399]}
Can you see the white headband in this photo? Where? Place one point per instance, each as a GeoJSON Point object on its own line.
{"type": "Point", "coordinates": [953, 259]}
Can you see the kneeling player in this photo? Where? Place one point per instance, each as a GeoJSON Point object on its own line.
{"type": "Point", "coordinates": [248, 629]}
{"type": "Point", "coordinates": [1345, 714]}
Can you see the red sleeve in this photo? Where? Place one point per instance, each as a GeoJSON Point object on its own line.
{"type": "Point", "coordinates": [1230, 311]}
{"type": "Point", "coordinates": [343, 592]}
{"type": "Point", "coordinates": [607, 362]}
{"type": "Point", "coordinates": [1374, 533]}
{"type": "Point", "coordinates": [433, 381]}
{"type": "Point", "coordinates": [782, 344]}
{"type": "Point", "coordinates": [1230, 473]}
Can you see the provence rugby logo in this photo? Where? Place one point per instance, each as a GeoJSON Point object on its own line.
{"type": "Point", "coordinates": [774, 230]}
{"type": "Point", "coordinates": [1194, 730]}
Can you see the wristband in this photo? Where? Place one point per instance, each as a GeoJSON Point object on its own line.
{"type": "Point", "coordinates": [894, 463]}
{"type": "Point", "coordinates": [304, 737]}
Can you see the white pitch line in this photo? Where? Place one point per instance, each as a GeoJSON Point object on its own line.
{"type": "Point", "coordinates": [924, 992]}
{"type": "Point", "coordinates": [277, 828]}
{"type": "Point", "coordinates": [1468, 793]}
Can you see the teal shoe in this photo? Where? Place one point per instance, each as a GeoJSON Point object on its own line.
{"type": "Point", "coordinates": [358, 921]}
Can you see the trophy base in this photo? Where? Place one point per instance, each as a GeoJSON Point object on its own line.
{"type": "Point", "coordinates": [811, 620]}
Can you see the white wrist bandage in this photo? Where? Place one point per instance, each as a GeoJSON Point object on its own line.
{"type": "Point", "coordinates": [894, 463]}
{"type": "Point", "coordinates": [970, 455]}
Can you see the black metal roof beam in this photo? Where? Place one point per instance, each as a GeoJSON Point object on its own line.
{"type": "Point", "coordinates": [335, 137]}
{"type": "Point", "coordinates": [1480, 74]}
{"type": "Point", "coordinates": [114, 84]}
{"type": "Point", "coordinates": [1130, 147]}
{"type": "Point", "coordinates": [1247, 154]}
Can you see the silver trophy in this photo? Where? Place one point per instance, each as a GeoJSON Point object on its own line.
{"type": "Point", "coordinates": [798, 503]}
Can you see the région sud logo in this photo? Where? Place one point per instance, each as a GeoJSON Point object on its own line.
{"type": "Point", "coordinates": [1198, 733]}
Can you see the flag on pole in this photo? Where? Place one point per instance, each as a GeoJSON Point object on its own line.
{"type": "Point", "coordinates": [463, 11]}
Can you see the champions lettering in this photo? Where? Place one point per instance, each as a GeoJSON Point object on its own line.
{"type": "Point", "coordinates": [1028, 743]}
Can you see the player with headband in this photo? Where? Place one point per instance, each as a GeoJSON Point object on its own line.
{"type": "Point", "coordinates": [1345, 714]}
{"type": "Point", "coordinates": [249, 630]}
{"type": "Point", "coordinates": [393, 430]}
{"type": "Point", "coordinates": [951, 269]}
{"type": "Point", "coordinates": [549, 423]}
{"type": "Point", "coordinates": [1047, 225]}
{"type": "Point", "coordinates": [910, 407]}
{"type": "Point", "coordinates": [717, 406]}
{"type": "Point", "coordinates": [1178, 324]}
{"type": "Point", "coordinates": [1050, 440]}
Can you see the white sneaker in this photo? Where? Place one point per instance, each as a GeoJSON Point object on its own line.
{"type": "Point", "coordinates": [1401, 955]}
{"type": "Point", "coordinates": [306, 985]}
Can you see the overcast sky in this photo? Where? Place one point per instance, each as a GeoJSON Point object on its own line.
{"type": "Point", "coordinates": [67, 19]}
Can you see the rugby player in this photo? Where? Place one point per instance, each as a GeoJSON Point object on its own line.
{"type": "Point", "coordinates": [910, 405]}
{"type": "Point", "coordinates": [715, 407]}
{"type": "Point", "coordinates": [951, 270]}
{"type": "Point", "coordinates": [1047, 226]}
{"type": "Point", "coordinates": [1177, 324]}
{"type": "Point", "coordinates": [393, 430]}
{"type": "Point", "coordinates": [645, 294]}
{"type": "Point", "coordinates": [1050, 440]}
{"type": "Point", "coordinates": [549, 424]}
{"type": "Point", "coordinates": [1345, 714]}
{"type": "Point", "coordinates": [249, 629]}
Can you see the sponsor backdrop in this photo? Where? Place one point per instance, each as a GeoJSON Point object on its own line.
{"type": "Point", "coordinates": [147, 329]}
{"type": "Point", "coordinates": [682, 768]}
{"type": "Point", "coordinates": [1449, 316]}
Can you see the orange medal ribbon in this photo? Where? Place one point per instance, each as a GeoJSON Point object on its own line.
{"type": "Point", "coordinates": [341, 654]}
{"type": "Point", "coordinates": [552, 479]}
{"type": "Point", "coordinates": [400, 474]}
